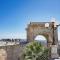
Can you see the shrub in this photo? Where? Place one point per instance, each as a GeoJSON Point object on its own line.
{"type": "Point", "coordinates": [35, 51]}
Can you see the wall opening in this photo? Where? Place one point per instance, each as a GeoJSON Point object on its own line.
{"type": "Point", "coordinates": [42, 39]}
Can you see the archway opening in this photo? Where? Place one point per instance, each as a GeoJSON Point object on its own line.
{"type": "Point", "coordinates": [42, 39]}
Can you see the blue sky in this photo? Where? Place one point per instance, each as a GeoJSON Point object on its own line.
{"type": "Point", "coordinates": [16, 14]}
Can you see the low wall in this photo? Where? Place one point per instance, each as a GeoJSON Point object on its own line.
{"type": "Point", "coordinates": [10, 52]}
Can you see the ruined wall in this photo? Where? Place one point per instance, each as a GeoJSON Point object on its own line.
{"type": "Point", "coordinates": [11, 52]}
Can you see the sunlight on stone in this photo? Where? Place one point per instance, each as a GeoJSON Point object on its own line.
{"type": "Point", "coordinates": [3, 54]}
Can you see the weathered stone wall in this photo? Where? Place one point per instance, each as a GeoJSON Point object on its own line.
{"type": "Point", "coordinates": [12, 52]}
{"type": "Point", "coordinates": [38, 28]}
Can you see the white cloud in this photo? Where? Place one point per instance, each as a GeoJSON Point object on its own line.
{"type": "Point", "coordinates": [23, 36]}
{"type": "Point", "coordinates": [14, 35]}
{"type": "Point", "coordinates": [58, 35]}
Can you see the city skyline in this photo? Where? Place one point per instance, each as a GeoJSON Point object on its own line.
{"type": "Point", "coordinates": [15, 15]}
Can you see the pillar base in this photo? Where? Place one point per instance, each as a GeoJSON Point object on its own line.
{"type": "Point", "coordinates": [54, 53]}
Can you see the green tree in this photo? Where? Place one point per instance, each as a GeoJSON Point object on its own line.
{"type": "Point", "coordinates": [35, 51]}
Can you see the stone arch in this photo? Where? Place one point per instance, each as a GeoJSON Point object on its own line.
{"type": "Point", "coordinates": [41, 35]}
{"type": "Point", "coordinates": [42, 39]}
{"type": "Point", "coordinates": [38, 28]}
